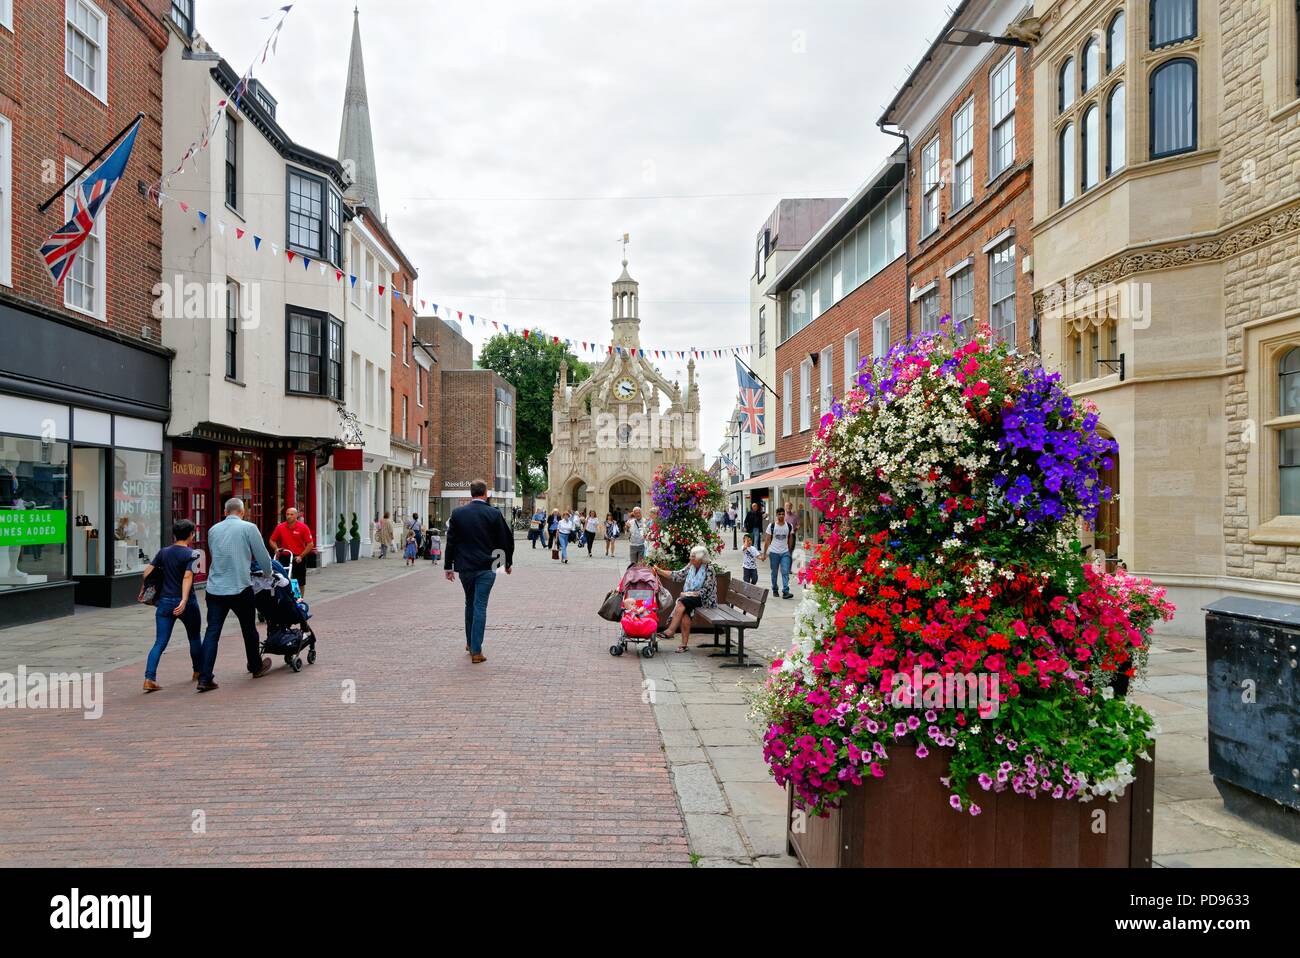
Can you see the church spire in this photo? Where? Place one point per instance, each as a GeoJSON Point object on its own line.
{"type": "Point", "coordinates": [626, 318]}
{"type": "Point", "coordinates": [356, 145]}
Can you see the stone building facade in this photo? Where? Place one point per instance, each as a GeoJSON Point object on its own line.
{"type": "Point", "coordinates": [611, 432]}
{"type": "Point", "coordinates": [1167, 209]}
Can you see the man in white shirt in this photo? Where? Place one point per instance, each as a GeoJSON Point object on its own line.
{"type": "Point", "coordinates": [776, 549]}
{"type": "Point", "coordinates": [635, 536]}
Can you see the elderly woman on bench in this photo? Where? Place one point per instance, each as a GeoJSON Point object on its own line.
{"type": "Point", "coordinates": [699, 590]}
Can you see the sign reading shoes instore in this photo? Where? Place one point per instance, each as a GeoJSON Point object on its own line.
{"type": "Point", "coordinates": [82, 483]}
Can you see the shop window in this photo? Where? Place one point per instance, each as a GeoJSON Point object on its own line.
{"type": "Point", "coordinates": [239, 475]}
{"type": "Point", "coordinates": [33, 512]}
{"type": "Point", "coordinates": [88, 513]}
{"type": "Point", "coordinates": [137, 495]}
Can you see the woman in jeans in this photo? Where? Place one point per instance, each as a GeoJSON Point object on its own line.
{"type": "Point", "coordinates": [177, 563]}
{"type": "Point", "coordinates": [565, 532]}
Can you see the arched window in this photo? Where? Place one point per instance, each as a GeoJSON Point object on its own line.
{"type": "Point", "coordinates": [1091, 64]}
{"type": "Point", "coordinates": [1172, 21]}
{"type": "Point", "coordinates": [1173, 108]}
{"type": "Point", "coordinates": [1065, 94]}
{"type": "Point", "coordinates": [1288, 472]}
{"type": "Point", "coordinates": [1115, 137]}
{"type": "Point", "coordinates": [1090, 130]}
{"type": "Point", "coordinates": [1288, 383]}
{"type": "Point", "coordinates": [1115, 42]}
{"type": "Point", "coordinates": [1067, 163]}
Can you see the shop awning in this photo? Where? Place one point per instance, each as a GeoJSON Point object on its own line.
{"type": "Point", "coordinates": [796, 475]}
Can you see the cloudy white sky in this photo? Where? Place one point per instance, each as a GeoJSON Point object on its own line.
{"type": "Point", "coordinates": [516, 141]}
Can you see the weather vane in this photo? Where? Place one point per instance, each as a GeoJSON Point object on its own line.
{"type": "Point", "coordinates": [625, 240]}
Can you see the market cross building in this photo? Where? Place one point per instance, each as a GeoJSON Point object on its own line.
{"type": "Point", "coordinates": [611, 432]}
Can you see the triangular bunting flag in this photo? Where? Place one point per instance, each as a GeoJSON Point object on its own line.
{"type": "Point", "coordinates": [306, 263]}
{"type": "Point", "coordinates": [203, 217]}
{"type": "Point", "coordinates": [275, 250]}
{"type": "Point", "coordinates": [257, 242]}
{"type": "Point", "coordinates": [221, 225]}
{"type": "Point", "coordinates": [525, 332]}
{"type": "Point", "coordinates": [352, 281]}
{"type": "Point", "coordinates": [338, 275]}
{"type": "Point", "coordinates": [239, 233]}
{"type": "Point", "coordinates": [291, 254]}
{"type": "Point", "coordinates": [381, 290]}
{"type": "Point", "coordinates": [185, 207]}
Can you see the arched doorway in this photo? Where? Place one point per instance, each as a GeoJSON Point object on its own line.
{"type": "Point", "coordinates": [577, 497]}
{"type": "Point", "coordinates": [624, 496]}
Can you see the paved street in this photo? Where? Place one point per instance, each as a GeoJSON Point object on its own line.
{"type": "Point", "coordinates": [551, 752]}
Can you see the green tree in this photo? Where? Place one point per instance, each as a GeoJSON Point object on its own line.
{"type": "Point", "coordinates": [531, 366]}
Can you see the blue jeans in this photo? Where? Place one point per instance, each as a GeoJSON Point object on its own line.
{"type": "Point", "coordinates": [564, 545]}
{"type": "Point", "coordinates": [477, 586]}
{"type": "Point", "coordinates": [220, 606]}
{"type": "Point", "coordinates": [780, 562]}
{"type": "Point", "coordinates": [164, 622]}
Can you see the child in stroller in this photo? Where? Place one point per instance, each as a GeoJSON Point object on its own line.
{"type": "Point", "coordinates": [278, 600]}
{"type": "Point", "coordinates": [639, 590]}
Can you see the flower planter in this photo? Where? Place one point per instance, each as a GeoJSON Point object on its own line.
{"type": "Point", "coordinates": [904, 821]}
{"type": "Point", "coordinates": [355, 552]}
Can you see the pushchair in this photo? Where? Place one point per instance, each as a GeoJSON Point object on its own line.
{"type": "Point", "coordinates": [641, 625]}
{"type": "Point", "coordinates": [278, 600]}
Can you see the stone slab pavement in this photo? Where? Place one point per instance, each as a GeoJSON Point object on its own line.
{"type": "Point", "coordinates": [391, 750]}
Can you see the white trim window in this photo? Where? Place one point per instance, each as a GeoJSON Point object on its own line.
{"type": "Point", "coordinates": [929, 310]}
{"type": "Point", "coordinates": [851, 359]}
{"type": "Point", "coordinates": [787, 401]}
{"type": "Point", "coordinates": [86, 47]}
{"type": "Point", "coordinates": [880, 335]}
{"type": "Point", "coordinates": [84, 286]}
{"type": "Point", "coordinates": [930, 187]}
{"type": "Point", "coordinates": [827, 363]}
{"type": "Point", "coordinates": [963, 303]}
{"type": "Point", "coordinates": [805, 395]}
{"type": "Point", "coordinates": [963, 155]}
{"type": "Point", "coordinates": [419, 385]}
{"type": "Point", "coordinates": [1002, 291]}
{"type": "Point", "coordinates": [6, 200]}
{"type": "Point", "coordinates": [1002, 96]}
{"type": "Point", "coordinates": [372, 289]}
{"type": "Point", "coordinates": [7, 14]}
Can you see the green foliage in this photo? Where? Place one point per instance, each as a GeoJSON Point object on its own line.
{"type": "Point", "coordinates": [341, 533]}
{"type": "Point", "coordinates": [531, 366]}
{"type": "Point", "coordinates": [356, 529]}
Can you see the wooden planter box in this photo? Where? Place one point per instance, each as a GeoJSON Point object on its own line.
{"type": "Point", "coordinates": [904, 820]}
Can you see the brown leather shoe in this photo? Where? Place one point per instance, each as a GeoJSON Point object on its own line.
{"type": "Point", "coordinates": [476, 659]}
{"type": "Point", "coordinates": [207, 686]}
{"type": "Point", "coordinates": [266, 667]}
{"type": "Point", "coordinates": [151, 686]}
{"type": "Point", "coordinates": [194, 677]}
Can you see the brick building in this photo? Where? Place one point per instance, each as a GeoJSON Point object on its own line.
{"type": "Point", "coordinates": [967, 113]}
{"type": "Point", "coordinates": [84, 388]}
{"type": "Point", "coordinates": [840, 299]}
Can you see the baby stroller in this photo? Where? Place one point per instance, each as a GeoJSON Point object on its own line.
{"type": "Point", "coordinates": [640, 625]}
{"type": "Point", "coordinates": [278, 600]}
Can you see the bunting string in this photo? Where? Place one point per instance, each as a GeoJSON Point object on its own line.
{"type": "Point", "coordinates": [237, 233]}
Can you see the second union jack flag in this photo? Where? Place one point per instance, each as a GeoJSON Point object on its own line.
{"type": "Point", "coordinates": [750, 401]}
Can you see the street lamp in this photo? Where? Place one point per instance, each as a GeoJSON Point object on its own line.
{"type": "Point", "coordinates": [961, 37]}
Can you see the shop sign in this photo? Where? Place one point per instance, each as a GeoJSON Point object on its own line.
{"type": "Point", "coordinates": [33, 527]}
{"type": "Point", "coordinates": [348, 460]}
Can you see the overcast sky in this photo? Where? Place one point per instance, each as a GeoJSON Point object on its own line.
{"type": "Point", "coordinates": [516, 141]}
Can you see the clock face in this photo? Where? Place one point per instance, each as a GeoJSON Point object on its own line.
{"type": "Point", "coordinates": [625, 388]}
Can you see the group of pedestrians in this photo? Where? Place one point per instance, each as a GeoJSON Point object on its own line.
{"type": "Point", "coordinates": [417, 541]}
{"type": "Point", "coordinates": [561, 528]}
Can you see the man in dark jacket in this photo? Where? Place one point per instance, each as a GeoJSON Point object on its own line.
{"type": "Point", "coordinates": [479, 542]}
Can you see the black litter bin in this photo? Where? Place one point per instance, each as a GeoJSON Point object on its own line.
{"type": "Point", "coordinates": [1252, 647]}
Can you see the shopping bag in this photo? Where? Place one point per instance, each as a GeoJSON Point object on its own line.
{"type": "Point", "coordinates": [612, 608]}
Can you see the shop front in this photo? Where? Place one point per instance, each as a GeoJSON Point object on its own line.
{"type": "Point", "coordinates": [212, 465]}
{"type": "Point", "coordinates": [81, 453]}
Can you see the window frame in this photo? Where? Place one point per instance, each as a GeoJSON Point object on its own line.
{"type": "Point", "coordinates": [328, 324]}
{"type": "Point", "coordinates": [232, 339]}
{"type": "Point", "coordinates": [1090, 46]}
{"type": "Point", "coordinates": [996, 123]}
{"type": "Point", "coordinates": [99, 234]}
{"type": "Point", "coordinates": [931, 183]}
{"type": "Point", "coordinates": [231, 166]}
{"type": "Point", "coordinates": [826, 375]}
{"type": "Point", "coordinates": [1152, 7]}
{"type": "Point", "coordinates": [930, 296]}
{"type": "Point", "coordinates": [182, 18]}
{"type": "Point", "coordinates": [1009, 269]}
{"type": "Point", "coordinates": [762, 330]}
{"type": "Point", "coordinates": [1086, 143]}
{"type": "Point", "coordinates": [965, 273]}
{"type": "Point", "coordinates": [1119, 88]}
{"type": "Point", "coordinates": [6, 200]}
{"type": "Point", "coordinates": [7, 15]}
{"type": "Point", "coordinates": [1120, 17]}
{"type": "Point", "coordinates": [960, 200]}
{"type": "Point", "coordinates": [325, 250]}
{"type": "Point", "coordinates": [100, 90]}
{"type": "Point", "coordinates": [1062, 87]}
{"type": "Point", "coordinates": [787, 402]}
{"type": "Point", "coordinates": [1151, 107]}
{"type": "Point", "coordinates": [805, 394]}
{"type": "Point", "coordinates": [1066, 177]}
{"type": "Point", "coordinates": [851, 365]}
{"type": "Point", "coordinates": [880, 323]}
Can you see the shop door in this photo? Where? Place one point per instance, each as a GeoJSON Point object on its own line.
{"type": "Point", "coordinates": [192, 504]}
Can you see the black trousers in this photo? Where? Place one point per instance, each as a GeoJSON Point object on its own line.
{"type": "Point", "coordinates": [219, 606]}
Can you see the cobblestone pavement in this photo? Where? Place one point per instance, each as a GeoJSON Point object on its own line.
{"type": "Point", "coordinates": [546, 754]}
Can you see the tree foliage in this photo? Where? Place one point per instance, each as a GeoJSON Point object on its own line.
{"type": "Point", "coordinates": [531, 366]}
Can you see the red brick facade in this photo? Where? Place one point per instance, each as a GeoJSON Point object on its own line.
{"type": "Point", "coordinates": [55, 119]}
{"type": "Point", "coordinates": [1006, 203]}
{"type": "Point", "coordinates": [887, 290]}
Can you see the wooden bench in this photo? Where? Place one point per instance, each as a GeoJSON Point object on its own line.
{"type": "Point", "coordinates": [740, 608]}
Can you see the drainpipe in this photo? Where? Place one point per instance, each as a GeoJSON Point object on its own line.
{"type": "Point", "coordinates": [907, 225]}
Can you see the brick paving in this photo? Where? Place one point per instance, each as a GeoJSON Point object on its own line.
{"type": "Point", "coordinates": [546, 754]}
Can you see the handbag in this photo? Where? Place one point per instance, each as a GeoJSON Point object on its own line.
{"type": "Point", "coordinates": [555, 552]}
{"type": "Point", "coordinates": [151, 591]}
{"type": "Point", "coordinates": [612, 608]}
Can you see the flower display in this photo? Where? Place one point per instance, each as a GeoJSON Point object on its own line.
{"type": "Point", "coordinates": [947, 609]}
{"type": "Point", "coordinates": [683, 499]}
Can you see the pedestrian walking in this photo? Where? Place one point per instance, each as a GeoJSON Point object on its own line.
{"type": "Point", "coordinates": [537, 527]}
{"type": "Point", "coordinates": [435, 545]}
{"type": "Point", "coordinates": [477, 538]}
{"type": "Point", "coordinates": [593, 526]}
{"type": "Point", "coordinates": [635, 536]}
{"type": "Point", "coordinates": [411, 548]}
{"type": "Point", "coordinates": [552, 528]}
{"type": "Point", "coordinates": [749, 560]}
{"type": "Point", "coordinates": [565, 531]}
{"type": "Point", "coordinates": [176, 601]}
{"type": "Point", "coordinates": [776, 550]}
{"type": "Point", "coordinates": [386, 535]}
{"type": "Point", "coordinates": [294, 535]}
{"type": "Point", "coordinates": [611, 534]}
{"type": "Point", "coordinates": [754, 521]}
{"type": "Point", "coordinates": [233, 545]}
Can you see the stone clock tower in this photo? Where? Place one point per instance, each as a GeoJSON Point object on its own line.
{"type": "Point", "coordinates": [611, 432]}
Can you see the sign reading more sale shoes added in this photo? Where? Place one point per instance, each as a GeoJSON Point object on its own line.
{"type": "Point", "coordinates": [32, 527]}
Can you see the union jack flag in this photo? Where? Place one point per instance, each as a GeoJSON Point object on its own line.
{"type": "Point", "coordinates": [60, 250]}
{"type": "Point", "coordinates": [750, 402]}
